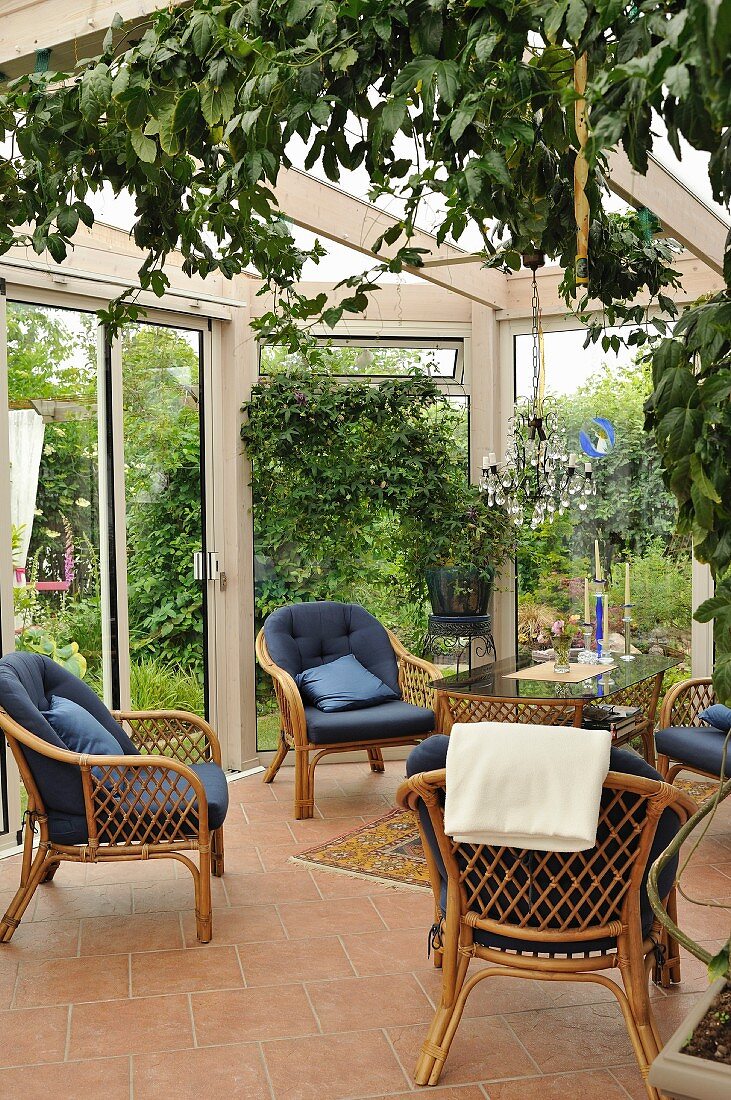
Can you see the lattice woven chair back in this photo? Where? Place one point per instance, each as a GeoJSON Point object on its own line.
{"type": "Point", "coordinates": [581, 894]}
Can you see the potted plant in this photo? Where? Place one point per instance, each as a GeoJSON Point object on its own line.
{"type": "Point", "coordinates": [463, 551]}
{"type": "Point", "coordinates": [695, 1063]}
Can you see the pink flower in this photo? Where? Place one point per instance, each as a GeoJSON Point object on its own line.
{"type": "Point", "coordinates": [558, 627]}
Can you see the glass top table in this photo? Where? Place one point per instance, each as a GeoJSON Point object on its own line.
{"type": "Point", "coordinates": [493, 680]}
{"type": "Point", "coordinates": [489, 694]}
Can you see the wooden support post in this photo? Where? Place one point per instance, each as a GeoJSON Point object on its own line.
{"type": "Point", "coordinates": [581, 175]}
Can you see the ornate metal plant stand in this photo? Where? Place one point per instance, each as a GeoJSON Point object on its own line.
{"type": "Point", "coordinates": [459, 634]}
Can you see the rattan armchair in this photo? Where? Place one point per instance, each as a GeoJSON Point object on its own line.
{"type": "Point", "coordinates": [680, 741]}
{"type": "Point", "coordinates": [415, 677]}
{"type": "Point", "coordinates": [150, 806]}
{"type": "Point", "coordinates": [547, 915]}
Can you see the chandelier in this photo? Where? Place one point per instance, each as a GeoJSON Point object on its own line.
{"type": "Point", "coordinates": [539, 478]}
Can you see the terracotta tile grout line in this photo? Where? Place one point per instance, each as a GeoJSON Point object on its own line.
{"type": "Point", "coordinates": [424, 990]}
{"type": "Point", "coordinates": [506, 1020]}
{"type": "Point", "coordinates": [241, 965]}
{"type": "Point", "coordinates": [129, 975]}
{"type": "Point", "coordinates": [265, 1067]}
{"type": "Point", "coordinates": [131, 1077]}
{"type": "Point", "coordinates": [312, 1008]}
{"type": "Point", "coordinates": [67, 1045]}
{"type": "Point", "coordinates": [624, 1090]}
{"type": "Point", "coordinates": [351, 964]}
{"type": "Point", "coordinates": [192, 1021]}
{"type": "Point", "coordinates": [379, 914]}
{"type": "Point", "coordinates": [387, 1037]}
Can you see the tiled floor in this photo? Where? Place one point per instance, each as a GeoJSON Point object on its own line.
{"type": "Point", "coordinates": [316, 985]}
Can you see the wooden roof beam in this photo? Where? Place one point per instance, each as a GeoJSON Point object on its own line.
{"type": "Point", "coordinates": [332, 213]}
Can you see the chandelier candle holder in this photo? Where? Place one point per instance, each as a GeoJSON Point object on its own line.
{"type": "Point", "coordinates": [540, 478]}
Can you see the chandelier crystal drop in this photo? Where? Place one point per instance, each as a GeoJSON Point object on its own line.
{"type": "Point", "coordinates": [540, 478]}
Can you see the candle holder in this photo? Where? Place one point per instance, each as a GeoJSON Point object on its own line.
{"type": "Point", "coordinates": [587, 655]}
{"type": "Point", "coordinates": [627, 619]}
{"type": "Point", "coordinates": [601, 657]}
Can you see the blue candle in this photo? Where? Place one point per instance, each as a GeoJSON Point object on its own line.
{"type": "Point", "coordinates": [599, 629]}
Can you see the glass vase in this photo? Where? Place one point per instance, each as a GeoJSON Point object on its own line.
{"type": "Point", "coordinates": [561, 648]}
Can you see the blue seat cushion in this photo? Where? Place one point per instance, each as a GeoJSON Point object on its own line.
{"type": "Point", "coordinates": [305, 635]}
{"type": "Point", "coordinates": [79, 730]}
{"type": "Point", "coordinates": [65, 828]}
{"type": "Point", "coordinates": [697, 746]}
{"type": "Point", "coordinates": [343, 684]}
{"type": "Point", "coordinates": [717, 715]}
{"type": "Point", "coordinates": [28, 682]}
{"type": "Point", "coordinates": [431, 755]}
{"type": "Point", "coordinates": [396, 719]}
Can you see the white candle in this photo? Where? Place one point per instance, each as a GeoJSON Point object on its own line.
{"type": "Point", "coordinates": [586, 600]}
{"type": "Point", "coordinates": [597, 563]}
{"type": "Point", "coordinates": [627, 598]}
{"type": "Point", "coordinates": [492, 459]}
{"type": "Point", "coordinates": [587, 467]}
{"type": "Point", "coordinates": [572, 460]}
{"type": "Point", "coordinates": [485, 462]}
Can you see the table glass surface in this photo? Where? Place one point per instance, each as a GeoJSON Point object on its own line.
{"type": "Point", "coordinates": [493, 680]}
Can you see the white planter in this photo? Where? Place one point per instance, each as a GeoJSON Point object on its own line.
{"type": "Point", "coordinates": [683, 1076]}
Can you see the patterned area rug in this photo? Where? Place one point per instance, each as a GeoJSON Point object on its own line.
{"type": "Point", "coordinates": [388, 849]}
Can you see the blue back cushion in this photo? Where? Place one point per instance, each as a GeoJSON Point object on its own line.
{"type": "Point", "coordinates": [717, 715]}
{"type": "Point", "coordinates": [28, 681]}
{"type": "Point", "coordinates": [79, 730]}
{"type": "Point", "coordinates": [305, 635]}
{"type": "Point", "coordinates": [343, 684]}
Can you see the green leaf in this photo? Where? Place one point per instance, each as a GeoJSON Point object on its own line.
{"type": "Point", "coordinates": [168, 138]}
{"type": "Point", "coordinates": [68, 221]}
{"type": "Point", "coordinates": [144, 147]}
{"type": "Point", "coordinates": [186, 110]}
{"type": "Point", "coordinates": [554, 19]}
{"type": "Point", "coordinates": [701, 479]}
{"type": "Point", "coordinates": [576, 17]}
{"type": "Point", "coordinates": [718, 967]}
{"type": "Point", "coordinates": [708, 610]}
{"type": "Point", "coordinates": [448, 81]}
{"type": "Point", "coordinates": [343, 59]}
{"type": "Point", "coordinates": [96, 92]}
{"type": "Point", "coordinates": [418, 72]}
{"type": "Point", "coordinates": [484, 47]}
{"type": "Point", "coordinates": [679, 426]}
{"type": "Point", "coordinates": [677, 79]}
{"type": "Point", "coordinates": [461, 121]}
{"type": "Point", "coordinates": [200, 33]}
{"type": "Point", "coordinates": [394, 113]}
{"type": "Point", "coordinates": [495, 166]}
{"type": "Point", "coordinates": [310, 80]}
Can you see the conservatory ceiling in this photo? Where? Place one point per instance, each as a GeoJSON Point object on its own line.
{"type": "Point", "coordinates": [342, 216]}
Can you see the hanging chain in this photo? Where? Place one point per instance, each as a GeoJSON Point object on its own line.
{"type": "Point", "coordinates": [536, 346]}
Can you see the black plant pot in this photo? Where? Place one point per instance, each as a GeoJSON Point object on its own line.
{"type": "Point", "coordinates": [458, 590]}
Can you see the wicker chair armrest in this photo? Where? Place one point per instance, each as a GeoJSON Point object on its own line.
{"type": "Point", "coordinates": [142, 800]}
{"type": "Point", "coordinates": [415, 676]}
{"type": "Point", "coordinates": [289, 700]}
{"type": "Point", "coordinates": [175, 734]}
{"type": "Point", "coordinates": [684, 702]}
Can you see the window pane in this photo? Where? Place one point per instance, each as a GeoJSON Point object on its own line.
{"type": "Point", "coordinates": [160, 372]}
{"type": "Point", "coordinates": [52, 389]}
{"type": "Point", "coordinates": [632, 514]}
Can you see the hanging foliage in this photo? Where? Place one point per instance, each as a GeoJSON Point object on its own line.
{"type": "Point", "coordinates": [467, 101]}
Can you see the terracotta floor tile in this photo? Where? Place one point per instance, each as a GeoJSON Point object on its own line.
{"type": "Point", "coordinates": [630, 1078]}
{"type": "Point", "coordinates": [278, 857]}
{"type": "Point", "coordinates": [325, 918]}
{"type": "Point", "coordinates": [384, 1001]}
{"type": "Point", "coordinates": [240, 857]}
{"type": "Point", "coordinates": [138, 932]}
{"type": "Point", "coordinates": [133, 1026]}
{"type": "Point", "coordinates": [31, 1036]}
{"type": "Point", "coordinates": [264, 832]}
{"type": "Point", "coordinates": [333, 1067]}
{"type": "Point", "coordinates": [591, 1085]}
{"type": "Point", "coordinates": [671, 1011]}
{"type": "Point", "coordinates": [58, 903]}
{"type": "Point", "coordinates": [387, 952]}
{"type": "Point", "coordinates": [239, 924]}
{"type": "Point", "coordinates": [165, 897]}
{"type": "Point", "coordinates": [583, 1037]}
{"type": "Point", "coordinates": [453, 1092]}
{"type": "Point", "coordinates": [264, 888]}
{"type": "Point", "coordinates": [234, 1072]}
{"type": "Point", "coordinates": [66, 981]}
{"type": "Point", "coordinates": [107, 1077]}
{"type": "Point", "coordinates": [158, 972]}
{"type": "Point", "coordinates": [46, 939]}
{"type": "Point", "coordinates": [483, 1049]}
{"type": "Point", "coordinates": [285, 961]}
{"type": "Point", "coordinates": [496, 996]}
{"type": "Point", "coordinates": [131, 871]}
{"type": "Point", "coordinates": [332, 884]}
{"type": "Point", "coordinates": [251, 789]}
{"type": "Point", "coordinates": [307, 834]}
{"type": "Point", "coordinates": [404, 908]}
{"type": "Point", "coordinates": [246, 1015]}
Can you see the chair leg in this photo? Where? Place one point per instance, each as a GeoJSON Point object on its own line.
{"type": "Point", "coordinates": [375, 756]}
{"type": "Point", "coordinates": [304, 786]}
{"type": "Point", "coordinates": [217, 852]}
{"type": "Point", "coordinates": [50, 871]}
{"type": "Point", "coordinates": [638, 1018]}
{"type": "Point", "coordinates": [663, 765]}
{"type": "Point", "coordinates": [435, 1047]}
{"type": "Point", "coordinates": [203, 914]}
{"type": "Point", "coordinates": [38, 869]}
{"type": "Point", "coordinates": [278, 760]}
{"type": "Point", "coordinates": [670, 970]}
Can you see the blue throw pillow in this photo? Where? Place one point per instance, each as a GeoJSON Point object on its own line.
{"type": "Point", "coordinates": [343, 685]}
{"type": "Point", "coordinates": [719, 716]}
{"type": "Point", "coordinates": [79, 730]}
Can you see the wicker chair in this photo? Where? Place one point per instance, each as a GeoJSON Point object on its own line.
{"type": "Point", "coordinates": [169, 799]}
{"type": "Point", "coordinates": [301, 634]}
{"type": "Point", "coordinates": [682, 743]}
{"type": "Point", "coordinates": [547, 915]}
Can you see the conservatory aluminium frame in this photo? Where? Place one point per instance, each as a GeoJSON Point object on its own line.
{"type": "Point", "coordinates": [453, 299]}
